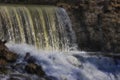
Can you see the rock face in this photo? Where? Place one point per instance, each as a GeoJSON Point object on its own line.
{"type": "Point", "coordinates": [96, 24]}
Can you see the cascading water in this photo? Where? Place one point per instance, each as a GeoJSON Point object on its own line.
{"type": "Point", "coordinates": [49, 28]}
{"type": "Point", "coordinates": [46, 27]}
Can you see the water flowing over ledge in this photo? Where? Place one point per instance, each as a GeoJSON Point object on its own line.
{"type": "Point", "coordinates": [49, 28]}
{"type": "Point", "coordinates": [46, 27]}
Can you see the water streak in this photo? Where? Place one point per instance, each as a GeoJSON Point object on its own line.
{"type": "Point", "coordinates": [46, 27]}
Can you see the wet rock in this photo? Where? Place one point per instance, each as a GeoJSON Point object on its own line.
{"type": "Point", "coordinates": [3, 62]}
{"type": "Point", "coordinates": [6, 57]}
{"type": "Point", "coordinates": [12, 78]}
{"type": "Point", "coordinates": [2, 45]}
{"type": "Point", "coordinates": [29, 59]}
{"type": "Point", "coordinates": [6, 54]}
{"type": "Point", "coordinates": [50, 78]}
{"type": "Point", "coordinates": [3, 70]}
{"type": "Point", "coordinates": [20, 67]}
{"type": "Point", "coordinates": [33, 68]}
{"type": "Point", "coordinates": [19, 77]}
{"type": "Point", "coordinates": [10, 56]}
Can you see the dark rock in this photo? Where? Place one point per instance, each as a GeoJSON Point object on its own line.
{"type": "Point", "coordinates": [20, 67]}
{"type": "Point", "coordinates": [33, 68]}
{"type": "Point", "coordinates": [2, 45]}
{"type": "Point", "coordinates": [3, 62]}
{"type": "Point", "coordinates": [50, 78]}
{"type": "Point", "coordinates": [20, 77]}
{"type": "Point", "coordinates": [12, 78]}
{"type": "Point", "coordinates": [10, 56]}
{"type": "Point", "coordinates": [29, 59]}
{"type": "Point", "coordinates": [6, 54]}
{"type": "Point", "coordinates": [6, 57]}
{"type": "Point", "coordinates": [3, 70]}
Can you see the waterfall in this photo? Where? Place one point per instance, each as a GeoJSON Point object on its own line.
{"type": "Point", "coordinates": [46, 27]}
{"type": "Point", "coordinates": [49, 29]}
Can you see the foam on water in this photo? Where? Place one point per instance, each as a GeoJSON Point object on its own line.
{"type": "Point", "coordinates": [72, 65]}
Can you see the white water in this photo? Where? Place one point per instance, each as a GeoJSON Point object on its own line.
{"type": "Point", "coordinates": [74, 65]}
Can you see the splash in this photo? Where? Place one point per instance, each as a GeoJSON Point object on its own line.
{"type": "Point", "coordinates": [74, 65]}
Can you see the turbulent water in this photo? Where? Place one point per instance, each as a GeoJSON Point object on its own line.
{"type": "Point", "coordinates": [49, 29]}
{"type": "Point", "coordinates": [74, 65]}
{"type": "Point", "coordinates": [46, 27]}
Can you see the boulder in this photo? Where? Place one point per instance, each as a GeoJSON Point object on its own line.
{"type": "Point", "coordinates": [29, 59]}
{"type": "Point", "coordinates": [10, 56]}
{"type": "Point", "coordinates": [33, 68]}
{"type": "Point", "coordinates": [4, 70]}
{"type": "Point", "coordinates": [3, 62]}
{"type": "Point", "coordinates": [6, 54]}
